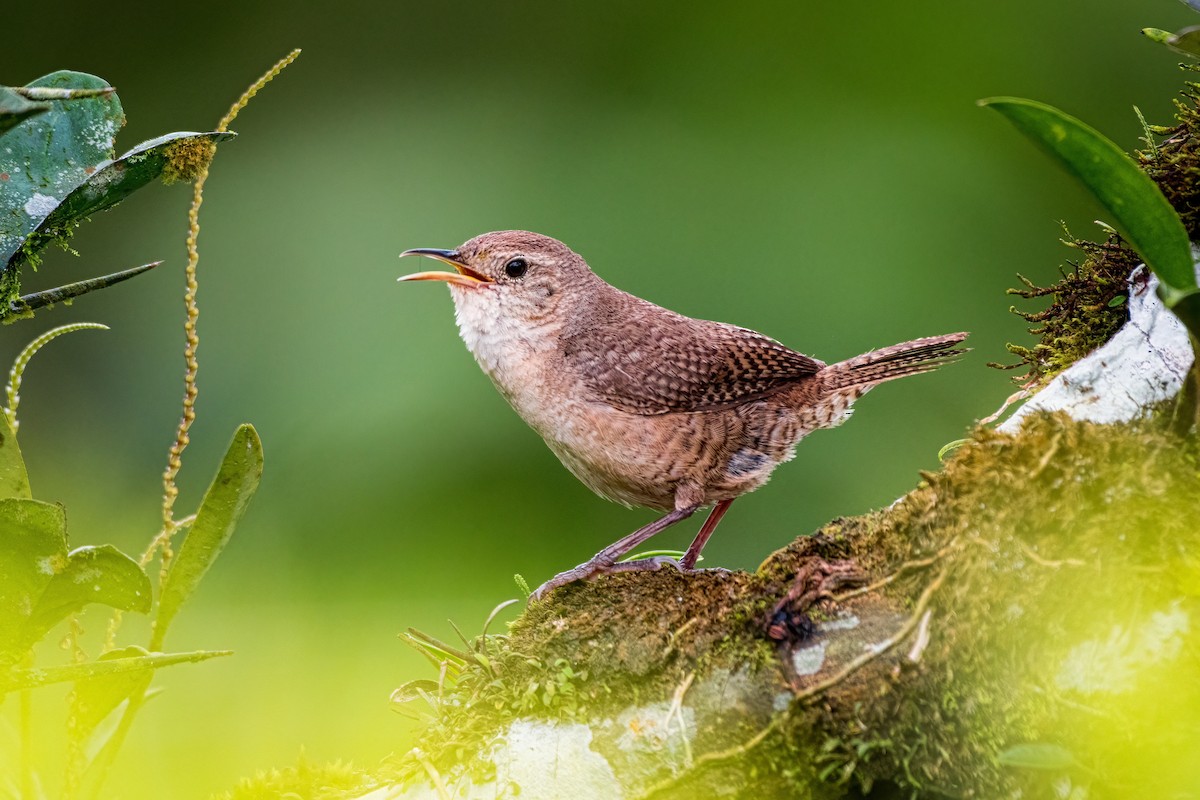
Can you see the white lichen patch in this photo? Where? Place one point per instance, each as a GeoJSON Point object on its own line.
{"type": "Point", "coordinates": [49, 565]}
{"type": "Point", "coordinates": [40, 205]}
{"type": "Point", "coordinates": [102, 135]}
{"type": "Point", "coordinates": [534, 760]}
{"type": "Point", "coordinates": [844, 621]}
{"type": "Point", "coordinates": [809, 660]}
{"type": "Point", "coordinates": [1143, 364]}
{"type": "Point", "coordinates": [654, 726]}
{"type": "Point", "coordinates": [1115, 663]}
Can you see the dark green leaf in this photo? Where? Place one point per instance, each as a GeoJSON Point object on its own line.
{"type": "Point", "coordinates": [222, 507]}
{"type": "Point", "coordinates": [49, 297]}
{"type": "Point", "coordinates": [14, 480]}
{"type": "Point", "coordinates": [1142, 215]}
{"type": "Point", "coordinates": [47, 156]}
{"type": "Point", "coordinates": [33, 549]}
{"type": "Point", "coordinates": [17, 679]}
{"type": "Point", "coordinates": [1037, 756]}
{"type": "Point", "coordinates": [113, 181]}
{"type": "Point", "coordinates": [100, 574]}
{"type": "Point", "coordinates": [14, 108]}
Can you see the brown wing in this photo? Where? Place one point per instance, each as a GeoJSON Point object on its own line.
{"type": "Point", "coordinates": [647, 360]}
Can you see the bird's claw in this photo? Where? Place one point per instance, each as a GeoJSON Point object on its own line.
{"type": "Point", "coordinates": [592, 569]}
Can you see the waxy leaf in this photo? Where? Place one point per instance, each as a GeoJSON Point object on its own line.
{"type": "Point", "coordinates": [33, 549]}
{"type": "Point", "coordinates": [48, 155]}
{"type": "Point", "coordinates": [1141, 212]}
{"type": "Point", "coordinates": [113, 181]}
{"type": "Point", "coordinates": [223, 505]}
{"type": "Point", "coordinates": [100, 574]}
{"type": "Point", "coordinates": [14, 480]}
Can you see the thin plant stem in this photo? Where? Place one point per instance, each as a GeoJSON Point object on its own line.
{"type": "Point", "coordinates": [162, 541]}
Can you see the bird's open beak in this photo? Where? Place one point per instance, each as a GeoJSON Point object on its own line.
{"type": "Point", "coordinates": [463, 275]}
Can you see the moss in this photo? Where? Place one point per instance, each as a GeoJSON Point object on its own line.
{"type": "Point", "coordinates": [304, 780]}
{"type": "Point", "coordinates": [1088, 305]}
{"type": "Point", "coordinates": [1175, 163]}
{"type": "Point", "coordinates": [1031, 523]}
{"type": "Point", "coordinates": [187, 159]}
{"type": "Point", "coordinates": [1063, 512]}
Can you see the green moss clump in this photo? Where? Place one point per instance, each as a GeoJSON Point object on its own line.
{"type": "Point", "coordinates": [1055, 533]}
{"type": "Point", "coordinates": [1088, 305]}
{"type": "Point", "coordinates": [304, 780]}
{"type": "Point", "coordinates": [1175, 163]}
{"type": "Point", "coordinates": [187, 159]}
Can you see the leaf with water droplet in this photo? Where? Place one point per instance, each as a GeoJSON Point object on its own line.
{"type": "Point", "coordinates": [50, 154]}
{"type": "Point", "coordinates": [93, 574]}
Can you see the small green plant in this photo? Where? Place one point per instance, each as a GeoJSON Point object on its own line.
{"type": "Point", "coordinates": [1141, 213]}
{"type": "Point", "coordinates": [56, 137]}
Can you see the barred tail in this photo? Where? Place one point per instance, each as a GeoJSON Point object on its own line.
{"type": "Point", "coordinates": [888, 363]}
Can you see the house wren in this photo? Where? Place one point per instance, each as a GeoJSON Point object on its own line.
{"type": "Point", "coordinates": [645, 406]}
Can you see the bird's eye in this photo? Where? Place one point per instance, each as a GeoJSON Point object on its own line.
{"type": "Point", "coordinates": [516, 267]}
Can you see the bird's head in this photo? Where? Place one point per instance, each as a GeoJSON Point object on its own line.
{"type": "Point", "coordinates": [514, 292]}
{"type": "Point", "coordinates": [519, 275]}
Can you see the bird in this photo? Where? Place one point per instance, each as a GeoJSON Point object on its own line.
{"type": "Point", "coordinates": [645, 406]}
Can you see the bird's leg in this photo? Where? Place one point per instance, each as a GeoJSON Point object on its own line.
{"type": "Point", "coordinates": [605, 560]}
{"type": "Point", "coordinates": [706, 530]}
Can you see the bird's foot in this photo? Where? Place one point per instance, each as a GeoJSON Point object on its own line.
{"type": "Point", "coordinates": [592, 569]}
{"type": "Point", "coordinates": [645, 565]}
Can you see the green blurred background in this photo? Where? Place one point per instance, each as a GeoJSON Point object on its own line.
{"type": "Point", "coordinates": [816, 171]}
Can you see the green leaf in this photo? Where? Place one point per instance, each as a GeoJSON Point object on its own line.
{"type": "Point", "coordinates": [47, 156]}
{"type": "Point", "coordinates": [17, 679]}
{"type": "Point", "coordinates": [1143, 216]}
{"type": "Point", "coordinates": [14, 480]}
{"type": "Point", "coordinates": [62, 294]}
{"type": "Point", "coordinates": [33, 549]}
{"type": "Point", "coordinates": [100, 574]}
{"type": "Point", "coordinates": [1185, 41]}
{"type": "Point", "coordinates": [1042, 756]}
{"type": "Point", "coordinates": [14, 108]}
{"type": "Point", "coordinates": [95, 698]}
{"type": "Point", "coordinates": [223, 505]}
{"type": "Point", "coordinates": [113, 181]}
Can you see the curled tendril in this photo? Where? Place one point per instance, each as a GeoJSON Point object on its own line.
{"type": "Point", "coordinates": [13, 389]}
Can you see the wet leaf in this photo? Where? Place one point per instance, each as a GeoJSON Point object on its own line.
{"type": "Point", "coordinates": [113, 181]}
{"type": "Point", "coordinates": [223, 505]}
{"type": "Point", "coordinates": [50, 154]}
{"type": "Point", "coordinates": [33, 549]}
{"type": "Point", "coordinates": [1142, 214]}
{"type": "Point", "coordinates": [100, 574]}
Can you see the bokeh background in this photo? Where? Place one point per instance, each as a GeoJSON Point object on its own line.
{"type": "Point", "coordinates": [817, 171]}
